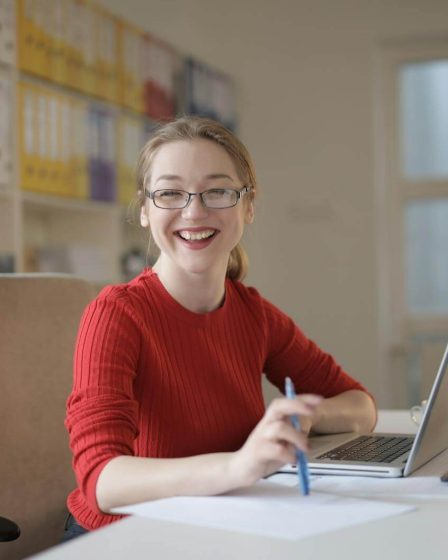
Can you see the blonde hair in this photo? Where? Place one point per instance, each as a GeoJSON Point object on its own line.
{"type": "Point", "coordinates": [193, 128]}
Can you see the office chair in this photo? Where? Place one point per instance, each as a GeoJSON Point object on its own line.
{"type": "Point", "coordinates": [39, 318]}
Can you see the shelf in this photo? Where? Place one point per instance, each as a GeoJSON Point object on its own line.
{"type": "Point", "coordinates": [36, 80]}
{"type": "Point", "coordinates": [40, 201]}
{"type": "Point", "coordinates": [106, 118]}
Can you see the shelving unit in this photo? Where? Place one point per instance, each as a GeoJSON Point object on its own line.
{"type": "Point", "coordinates": [79, 109]}
{"type": "Point", "coordinates": [10, 203]}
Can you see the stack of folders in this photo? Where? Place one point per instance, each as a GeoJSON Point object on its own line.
{"type": "Point", "coordinates": [209, 93]}
{"type": "Point", "coordinates": [72, 43]}
{"type": "Point", "coordinates": [79, 44]}
{"type": "Point", "coordinates": [68, 144]}
{"type": "Point", "coordinates": [159, 86]}
{"type": "Point", "coordinates": [67, 147]}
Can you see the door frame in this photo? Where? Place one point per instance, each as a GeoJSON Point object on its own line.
{"type": "Point", "coordinates": [398, 331]}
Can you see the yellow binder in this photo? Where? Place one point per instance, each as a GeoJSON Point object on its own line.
{"type": "Point", "coordinates": [53, 164]}
{"type": "Point", "coordinates": [58, 25]}
{"type": "Point", "coordinates": [89, 47]}
{"type": "Point", "coordinates": [111, 58]}
{"type": "Point", "coordinates": [65, 138]}
{"type": "Point", "coordinates": [27, 35]}
{"type": "Point", "coordinates": [130, 50]}
{"type": "Point", "coordinates": [42, 18]}
{"type": "Point", "coordinates": [121, 163]}
{"type": "Point", "coordinates": [28, 137]}
{"type": "Point", "coordinates": [78, 170]}
{"type": "Point", "coordinates": [76, 38]}
{"type": "Point", "coordinates": [44, 178]}
{"type": "Point", "coordinates": [84, 40]}
{"type": "Point", "coordinates": [129, 145]}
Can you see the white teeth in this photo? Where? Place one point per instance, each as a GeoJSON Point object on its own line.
{"type": "Point", "coordinates": [196, 236]}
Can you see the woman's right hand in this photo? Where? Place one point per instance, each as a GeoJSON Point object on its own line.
{"type": "Point", "coordinates": [274, 441]}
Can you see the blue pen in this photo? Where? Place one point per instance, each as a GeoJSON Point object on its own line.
{"type": "Point", "coordinates": [302, 463]}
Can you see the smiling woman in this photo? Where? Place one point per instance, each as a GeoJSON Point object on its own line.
{"type": "Point", "coordinates": [196, 218]}
{"type": "Point", "coordinates": [235, 155]}
{"type": "Point", "coordinates": [167, 397]}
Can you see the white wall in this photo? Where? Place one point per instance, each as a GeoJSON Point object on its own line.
{"type": "Point", "coordinates": [304, 69]}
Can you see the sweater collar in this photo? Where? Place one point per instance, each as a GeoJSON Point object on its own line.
{"type": "Point", "coordinates": [181, 313]}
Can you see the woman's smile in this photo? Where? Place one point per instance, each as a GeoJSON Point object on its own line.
{"type": "Point", "coordinates": [196, 238]}
{"type": "Point", "coordinates": [198, 234]}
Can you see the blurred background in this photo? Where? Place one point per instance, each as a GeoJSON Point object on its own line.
{"type": "Point", "coordinates": [343, 105]}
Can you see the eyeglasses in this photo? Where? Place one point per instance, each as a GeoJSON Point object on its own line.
{"type": "Point", "coordinates": [175, 199]}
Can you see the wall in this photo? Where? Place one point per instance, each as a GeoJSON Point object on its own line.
{"type": "Point", "coordinates": [305, 74]}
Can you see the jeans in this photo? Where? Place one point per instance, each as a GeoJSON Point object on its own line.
{"type": "Point", "coordinates": [72, 529]}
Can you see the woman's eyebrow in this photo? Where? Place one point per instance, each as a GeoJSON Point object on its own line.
{"type": "Point", "coordinates": [169, 177]}
{"type": "Point", "coordinates": [218, 176]}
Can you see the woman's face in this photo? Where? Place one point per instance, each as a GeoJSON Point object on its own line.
{"type": "Point", "coordinates": [195, 239]}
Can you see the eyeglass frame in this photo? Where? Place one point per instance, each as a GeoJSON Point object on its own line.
{"type": "Point", "coordinates": [240, 193]}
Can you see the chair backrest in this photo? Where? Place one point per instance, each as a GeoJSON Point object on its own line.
{"type": "Point", "coordinates": [39, 318]}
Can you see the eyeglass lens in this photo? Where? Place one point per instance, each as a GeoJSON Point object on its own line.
{"type": "Point", "coordinates": [212, 198]}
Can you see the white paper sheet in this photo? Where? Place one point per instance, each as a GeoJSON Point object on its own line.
{"type": "Point", "coordinates": [414, 487]}
{"type": "Point", "coordinates": [268, 509]}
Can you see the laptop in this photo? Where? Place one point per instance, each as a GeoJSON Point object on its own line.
{"type": "Point", "coordinates": [384, 454]}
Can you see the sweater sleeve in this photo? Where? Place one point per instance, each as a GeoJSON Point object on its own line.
{"type": "Point", "coordinates": [101, 410]}
{"type": "Point", "coordinates": [292, 354]}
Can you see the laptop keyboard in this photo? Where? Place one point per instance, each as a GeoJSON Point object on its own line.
{"type": "Point", "coordinates": [376, 449]}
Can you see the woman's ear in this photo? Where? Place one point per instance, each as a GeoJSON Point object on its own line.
{"type": "Point", "coordinates": [144, 220]}
{"type": "Point", "coordinates": [250, 213]}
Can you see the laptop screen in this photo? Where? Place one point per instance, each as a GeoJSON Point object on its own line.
{"type": "Point", "coordinates": [432, 435]}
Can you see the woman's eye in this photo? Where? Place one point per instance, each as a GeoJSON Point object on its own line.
{"type": "Point", "coordinates": [169, 194]}
{"type": "Point", "coordinates": [217, 193]}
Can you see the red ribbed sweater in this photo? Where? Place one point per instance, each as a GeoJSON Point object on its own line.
{"type": "Point", "coordinates": [153, 379]}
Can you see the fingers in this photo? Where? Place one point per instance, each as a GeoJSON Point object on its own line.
{"type": "Point", "coordinates": [284, 433]}
{"type": "Point", "coordinates": [280, 454]}
{"type": "Point", "coordinates": [305, 405]}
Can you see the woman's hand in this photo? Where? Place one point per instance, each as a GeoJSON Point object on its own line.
{"type": "Point", "coordinates": [274, 441]}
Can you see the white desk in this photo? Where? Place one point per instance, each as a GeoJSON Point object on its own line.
{"type": "Point", "coordinates": [419, 535]}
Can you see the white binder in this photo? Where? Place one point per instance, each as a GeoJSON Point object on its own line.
{"type": "Point", "coordinates": [8, 42]}
{"type": "Point", "coordinates": [6, 151]}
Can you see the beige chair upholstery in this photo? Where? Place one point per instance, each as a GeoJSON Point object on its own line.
{"type": "Point", "coordinates": [39, 318]}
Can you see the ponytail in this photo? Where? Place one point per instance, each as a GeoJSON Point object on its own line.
{"type": "Point", "coordinates": [238, 263]}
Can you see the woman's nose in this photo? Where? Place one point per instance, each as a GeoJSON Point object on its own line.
{"type": "Point", "coordinates": [195, 208]}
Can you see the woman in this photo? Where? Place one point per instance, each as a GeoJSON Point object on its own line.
{"type": "Point", "coordinates": [167, 395]}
